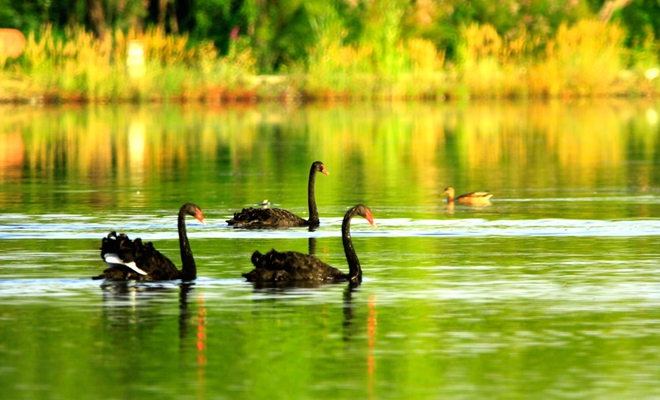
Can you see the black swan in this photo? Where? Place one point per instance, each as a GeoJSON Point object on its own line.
{"type": "Point", "coordinates": [132, 260]}
{"type": "Point", "coordinates": [277, 217]}
{"type": "Point", "coordinates": [475, 198]}
{"type": "Point", "coordinates": [292, 266]}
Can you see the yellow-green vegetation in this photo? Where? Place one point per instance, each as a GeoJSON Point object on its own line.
{"type": "Point", "coordinates": [587, 59]}
{"type": "Point", "coordinates": [79, 67]}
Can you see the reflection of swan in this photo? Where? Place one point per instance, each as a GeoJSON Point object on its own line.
{"type": "Point", "coordinates": [348, 309]}
{"type": "Point", "coordinates": [278, 218]}
{"type": "Point", "coordinates": [476, 198]}
{"type": "Point", "coordinates": [372, 323]}
{"type": "Point", "coordinates": [134, 310]}
{"type": "Point", "coordinates": [127, 303]}
{"type": "Point", "coordinates": [133, 260]}
{"type": "Point", "coordinates": [184, 314]}
{"type": "Point", "coordinates": [311, 246]}
{"type": "Point", "coordinates": [293, 266]}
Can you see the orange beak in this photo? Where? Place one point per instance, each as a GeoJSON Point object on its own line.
{"type": "Point", "coordinates": [369, 217]}
{"type": "Point", "coordinates": [200, 216]}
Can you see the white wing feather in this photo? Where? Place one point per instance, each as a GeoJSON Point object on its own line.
{"type": "Point", "coordinates": [113, 260]}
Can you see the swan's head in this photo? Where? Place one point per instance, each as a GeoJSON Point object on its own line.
{"type": "Point", "coordinates": [365, 212]}
{"type": "Point", "coordinates": [195, 211]}
{"type": "Point", "coordinates": [319, 167]}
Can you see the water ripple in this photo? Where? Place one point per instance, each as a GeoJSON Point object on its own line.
{"type": "Point", "coordinates": [158, 227]}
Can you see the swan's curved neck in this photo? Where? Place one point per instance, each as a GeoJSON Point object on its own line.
{"type": "Point", "coordinates": [188, 268]}
{"type": "Point", "coordinates": [311, 198]}
{"type": "Point", "coordinates": [354, 269]}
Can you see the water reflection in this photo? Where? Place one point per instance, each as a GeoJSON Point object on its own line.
{"type": "Point", "coordinates": [126, 303]}
{"type": "Point", "coordinates": [134, 311]}
{"type": "Point", "coordinates": [561, 267]}
{"type": "Point", "coordinates": [349, 331]}
{"type": "Point", "coordinates": [389, 154]}
{"type": "Point", "coordinates": [286, 287]}
{"type": "Point", "coordinates": [348, 310]}
{"type": "Point", "coordinates": [311, 245]}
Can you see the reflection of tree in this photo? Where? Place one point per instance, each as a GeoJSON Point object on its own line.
{"type": "Point", "coordinates": [526, 146]}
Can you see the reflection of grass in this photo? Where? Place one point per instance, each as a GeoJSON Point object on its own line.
{"type": "Point", "coordinates": [587, 59]}
{"type": "Point", "coordinates": [416, 149]}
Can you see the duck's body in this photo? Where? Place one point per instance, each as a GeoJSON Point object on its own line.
{"type": "Point", "coordinates": [266, 217]}
{"type": "Point", "coordinates": [133, 260]}
{"type": "Point", "coordinates": [290, 266]}
{"type": "Point", "coordinates": [474, 198]}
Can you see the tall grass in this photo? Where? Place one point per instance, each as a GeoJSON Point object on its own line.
{"type": "Point", "coordinates": [586, 59]}
{"type": "Point", "coordinates": [77, 67]}
{"type": "Point", "coordinates": [583, 60]}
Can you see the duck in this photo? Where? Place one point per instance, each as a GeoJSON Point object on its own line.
{"type": "Point", "coordinates": [474, 198]}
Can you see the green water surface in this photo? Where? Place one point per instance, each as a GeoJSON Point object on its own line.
{"type": "Point", "coordinates": [551, 291]}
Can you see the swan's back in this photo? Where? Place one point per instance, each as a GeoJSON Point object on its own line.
{"type": "Point", "coordinates": [266, 218]}
{"type": "Point", "coordinates": [276, 266]}
{"type": "Point", "coordinates": [149, 260]}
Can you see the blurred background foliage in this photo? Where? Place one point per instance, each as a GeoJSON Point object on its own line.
{"type": "Point", "coordinates": [282, 33]}
{"type": "Point", "coordinates": [227, 50]}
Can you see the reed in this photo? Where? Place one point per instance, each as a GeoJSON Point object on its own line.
{"type": "Point", "coordinates": [492, 66]}
{"type": "Point", "coordinates": [77, 67]}
{"type": "Point", "coordinates": [587, 59]}
{"type": "Point", "coordinates": [584, 60]}
{"type": "Point", "coordinates": [357, 72]}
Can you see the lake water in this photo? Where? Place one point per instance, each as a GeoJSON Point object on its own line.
{"type": "Point", "coordinates": [551, 291]}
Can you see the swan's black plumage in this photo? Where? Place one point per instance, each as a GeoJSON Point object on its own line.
{"type": "Point", "coordinates": [277, 217]}
{"type": "Point", "coordinates": [134, 260]}
{"type": "Point", "coordinates": [276, 266]}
